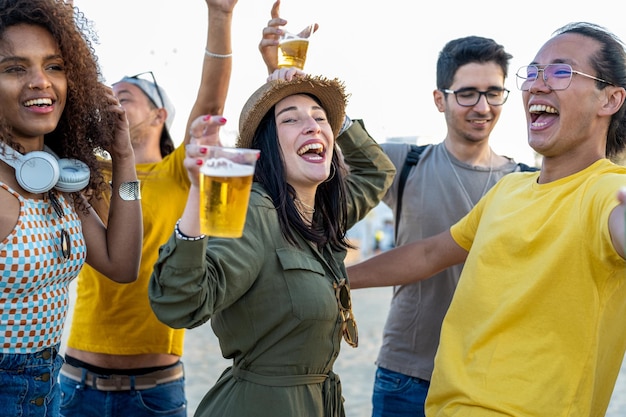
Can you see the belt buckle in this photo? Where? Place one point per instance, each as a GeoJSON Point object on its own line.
{"type": "Point", "coordinates": [113, 383]}
{"type": "Point", "coordinates": [123, 382]}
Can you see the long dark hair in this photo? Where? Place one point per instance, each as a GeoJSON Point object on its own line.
{"type": "Point", "coordinates": [330, 217]}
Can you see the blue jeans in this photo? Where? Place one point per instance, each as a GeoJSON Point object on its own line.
{"type": "Point", "coordinates": [398, 395]}
{"type": "Point", "coordinates": [27, 383]}
{"type": "Point", "coordinates": [78, 400]}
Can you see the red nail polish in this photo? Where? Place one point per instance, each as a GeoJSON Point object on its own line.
{"type": "Point", "coordinates": [222, 120]}
{"type": "Point", "coordinates": [203, 150]}
{"type": "Point", "coordinates": [199, 162]}
{"type": "Point", "coordinates": [207, 117]}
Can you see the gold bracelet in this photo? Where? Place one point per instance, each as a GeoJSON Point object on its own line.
{"type": "Point", "coordinates": [214, 55]}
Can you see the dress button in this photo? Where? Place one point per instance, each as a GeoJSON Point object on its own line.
{"type": "Point", "coordinates": [45, 377]}
{"type": "Point", "coordinates": [46, 354]}
{"type": "Point", "coordinates": [38, 401]}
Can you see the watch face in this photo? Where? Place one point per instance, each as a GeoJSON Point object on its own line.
{"type": "Point", "coordinates": [130, 191]}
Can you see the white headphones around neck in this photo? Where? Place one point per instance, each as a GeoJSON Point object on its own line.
{"type": "Point", "coordinates": [40, 171]}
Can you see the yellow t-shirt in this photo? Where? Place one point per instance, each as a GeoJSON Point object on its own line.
{"type": "Point", "coordinates": [536, 325]}
{"type": "Point", "coordinates": [117, 318]}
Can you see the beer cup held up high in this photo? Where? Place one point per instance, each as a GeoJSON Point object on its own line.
{"type": "Point", "coordinates": [292, 48]}
{"type": "Point", "coordinates": [225, 183]}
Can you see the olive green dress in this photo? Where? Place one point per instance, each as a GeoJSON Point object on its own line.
{"type": "Point", "coordinates": [272, 305]}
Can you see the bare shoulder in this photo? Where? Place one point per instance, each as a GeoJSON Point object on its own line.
{"type": "Point", "coordinates": [9, 213]}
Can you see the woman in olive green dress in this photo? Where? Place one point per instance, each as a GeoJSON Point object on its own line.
{"type": "Point", "coordinates": [278, 297]}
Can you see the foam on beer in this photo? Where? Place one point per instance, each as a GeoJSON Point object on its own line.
{"type": "Point", "coordinates": [222, 167]}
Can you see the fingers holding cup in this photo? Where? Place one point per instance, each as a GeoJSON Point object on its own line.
{"type": "Point", "coordinates": [293, 48]}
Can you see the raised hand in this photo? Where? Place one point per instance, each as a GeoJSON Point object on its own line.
{"type": "Point", "coordinates": [268, 46]}
{"type": "Point", "coordinates": [121, 145]}
{"type": "Point", "coordinates": [204, 131]}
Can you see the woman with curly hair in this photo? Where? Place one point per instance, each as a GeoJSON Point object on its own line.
{"type": "Point", "coordinates": [55, 116]}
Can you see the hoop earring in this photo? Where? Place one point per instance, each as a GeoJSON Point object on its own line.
{"type": "Point", "coordinates": [332, 173]}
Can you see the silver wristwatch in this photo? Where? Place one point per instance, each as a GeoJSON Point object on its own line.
{"type": "Point", "coordinates": [130, 191]}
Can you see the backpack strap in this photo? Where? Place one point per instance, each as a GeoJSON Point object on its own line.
{"type": "Point", "coordinates": [411, 160]}
{"type": "Point", "coordinates": [523, 167]}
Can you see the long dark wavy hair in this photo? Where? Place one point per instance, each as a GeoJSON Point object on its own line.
{"type": "Point", "coordinates": [86, 126]}
{"type": "Point", "coordinates": [330, 218]}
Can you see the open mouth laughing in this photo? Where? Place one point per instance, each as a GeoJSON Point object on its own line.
{"type": "Point", "coordinates": [312, 151]}
{"type": "Point", "coordinates": [541, 114]}
{"type": "Point", "coordinates": [39, 102]}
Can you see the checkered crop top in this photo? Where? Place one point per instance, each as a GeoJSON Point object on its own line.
{"type": "Point", "coordinates": [38, 259]}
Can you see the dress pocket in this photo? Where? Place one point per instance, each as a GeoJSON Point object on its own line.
{"type": "Point", "coordinates": [310, 291]}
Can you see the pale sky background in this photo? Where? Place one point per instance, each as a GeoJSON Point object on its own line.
{"type": "Point", "coordinates": [384, 51]}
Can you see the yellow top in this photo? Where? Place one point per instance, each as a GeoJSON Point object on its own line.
{"type": "Point", "coordinates": [536, 325]}
{"type": "Point", "coordinates": [117, 318]}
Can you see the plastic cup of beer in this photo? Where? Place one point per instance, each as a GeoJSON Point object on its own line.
{"type": "Point", "coordinates": [225, 183]}
{"type": "Point", "coordinates": [292, 48]}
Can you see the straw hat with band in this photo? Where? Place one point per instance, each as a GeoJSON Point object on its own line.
{"type": "Point", "coordinates": [330, 93]}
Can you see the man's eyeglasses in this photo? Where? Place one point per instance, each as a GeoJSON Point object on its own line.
{"type": "Point", "coordinates": [348, 327]}
{"type": "Point", "coordinates": [555, 76]}
{"type": "Point", "coordinates": [156, 85]}
{"type": "Point", "coordinates": [469, 97]}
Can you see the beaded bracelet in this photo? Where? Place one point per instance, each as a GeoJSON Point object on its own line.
{"type": "Point", "coordinates": [214, 55]}
{"type": "Point", "coordinates": [181, 236]}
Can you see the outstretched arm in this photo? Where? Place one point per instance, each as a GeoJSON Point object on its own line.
{"type": "Point", "coordinates": [217, 64]}
{"type": "Point", "coordinates": [408, 263]}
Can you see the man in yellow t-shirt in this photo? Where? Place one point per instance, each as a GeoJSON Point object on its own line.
{"type": "Point", "coordinates": [535, 327]}
{"type": "Point", "coordinates": [120, 359]}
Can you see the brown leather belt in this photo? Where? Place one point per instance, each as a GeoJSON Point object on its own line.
{"type": "Point", "coordinates": [123, 382]}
